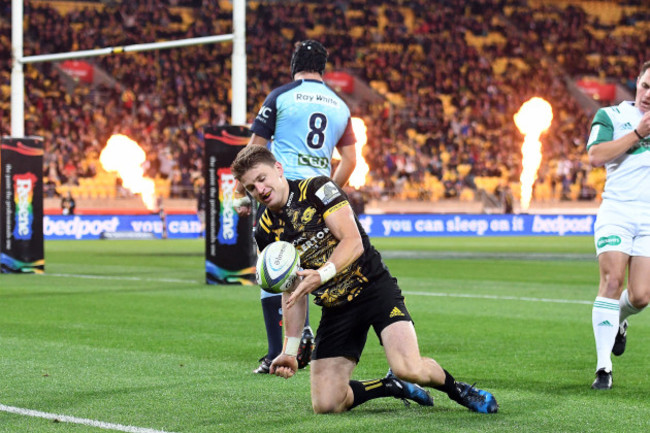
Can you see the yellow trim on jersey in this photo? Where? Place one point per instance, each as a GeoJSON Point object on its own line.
{"type": "Point", "coordinates": [303, 188]}
{"type": "Point", "coordinates": [335, 208]}
{"type": "Point", "coordinates": [265, 221]}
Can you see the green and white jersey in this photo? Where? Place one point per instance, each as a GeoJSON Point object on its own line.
{"type": "Point", "coordinates": [628, 176]}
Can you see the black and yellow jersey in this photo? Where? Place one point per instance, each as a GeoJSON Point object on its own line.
{"type": "Point", "coordinates": [302, 222]}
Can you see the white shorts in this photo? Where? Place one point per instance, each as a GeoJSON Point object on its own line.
{"type": "Point", "coordinates": [624, 227]}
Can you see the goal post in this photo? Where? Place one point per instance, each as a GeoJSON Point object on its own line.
{"type": "Point", "coordinates": [25, 154]}
{"type": "Point", "coordinates": [238, 72]}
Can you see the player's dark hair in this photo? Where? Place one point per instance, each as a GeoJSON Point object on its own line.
{"type": "Point", "coordinates": [644, 67]}
{"type": "Point", "coordinates": [308, 56]}
{"type": "Point", "coordinates": [249, 157]}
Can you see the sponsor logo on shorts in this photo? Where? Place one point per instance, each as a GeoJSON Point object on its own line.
{"type": "Point", "coordinates": [396, 312]}
{"type": "Point", "coordinates": [609, 240]}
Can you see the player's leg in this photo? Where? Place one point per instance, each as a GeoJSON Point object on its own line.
{"type": "Point", "coordinates": [401, 346]}
{"type": "Point", "coordinates": [403, 355]}
{"type": "Point", "coordinates": [340, 340]}
{"type": "Point", "coordinates": [272, 312]}
{"type": "Point", "coordinates": [639, 282]}
{"type": "Point", "coordinates": [394, 327]}
{"type": "Point", "coordinates": [306, 346]}
{"type": "Point", "coordinates": [634, 299]}
{"type": "Point", "coordinates": [330, 384]}
{"type": "Point", "coordinates": [332, 391]}
{"type": "Point", "coordinates": [614, 232]}
{"type": "Point", "coordinates": [605, 313]}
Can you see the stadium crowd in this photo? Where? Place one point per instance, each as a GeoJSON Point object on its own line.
{"type": "Point", "coordinates": [452, 76]}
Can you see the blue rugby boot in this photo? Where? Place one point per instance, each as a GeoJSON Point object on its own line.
{"type": "Point", "coordinates": [406, 390]}
{"type": "Point", "coordinates": [476, 399]}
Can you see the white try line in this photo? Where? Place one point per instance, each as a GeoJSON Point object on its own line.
{"type": "Point", "coordinates": [73, 420]}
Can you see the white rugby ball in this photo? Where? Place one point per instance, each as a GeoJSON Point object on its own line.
{"type": "Point", "coordinates": [277, 266]}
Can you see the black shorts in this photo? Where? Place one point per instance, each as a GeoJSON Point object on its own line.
{"type": "Point", "coordinates": [343, 330]}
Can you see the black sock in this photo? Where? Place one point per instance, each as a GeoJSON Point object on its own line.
{"type": "Point", "coordinates": [367, 390]}
{"type": "Point", "coordinates": [449, 387]}
{"type": "Point", "coordinates": [272, 309]}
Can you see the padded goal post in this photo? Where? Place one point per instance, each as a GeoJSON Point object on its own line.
{"type": "Point", "coordinates": [28, 258]}
{"type": "Point", "coordinates": [21, 206]}
{"type": "Point", "coordinates": [230, 252]}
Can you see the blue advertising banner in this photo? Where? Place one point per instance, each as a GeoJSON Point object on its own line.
{"type": "Point", "coordinates": [75, 227]}
{"type": "Point", "coordinates": [477, 225]}
{"type": "Point", "coordinates": [188, 225]}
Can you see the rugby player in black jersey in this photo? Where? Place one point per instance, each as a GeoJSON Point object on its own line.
{"type": "Point", "coordinates": [349, 280]}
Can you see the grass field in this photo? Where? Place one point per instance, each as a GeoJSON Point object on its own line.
{"type": "Point", "coordinates": [126, 333]}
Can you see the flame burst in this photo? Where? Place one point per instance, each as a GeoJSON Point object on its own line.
{"type": "Point", "coordinates": [358, 176]}
{"type": "Point", "coordinates": [533, 118]}
{"type": "Point", "coordinates": [124, 156]}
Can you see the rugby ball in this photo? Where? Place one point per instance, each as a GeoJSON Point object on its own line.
{"type": "Point", "coordinates": [277, 266]}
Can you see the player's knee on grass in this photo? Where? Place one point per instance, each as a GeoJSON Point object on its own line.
{"type": "Point", "coordinates": [333, 401]}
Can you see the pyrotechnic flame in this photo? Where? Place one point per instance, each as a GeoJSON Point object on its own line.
{"type": "Point", "coordinates": [533, 118]}
{"type": "Point", "coordinates": [124, 156]}
{"type": "Point", "coordinates": [358, 176]}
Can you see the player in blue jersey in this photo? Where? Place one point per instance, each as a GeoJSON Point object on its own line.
{"type": "Point", "coordinates": [620, 140]}
{"type": "Point", "coordinates": [304, 121]}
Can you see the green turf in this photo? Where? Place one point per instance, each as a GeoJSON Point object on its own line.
{"type": "Point", "coordinates": [126, 332]}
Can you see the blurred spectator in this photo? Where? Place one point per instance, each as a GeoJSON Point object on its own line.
{"type": "Point", "coordinates": [68, 204]}
{"type": "Point", "coordinates": [454, 74]}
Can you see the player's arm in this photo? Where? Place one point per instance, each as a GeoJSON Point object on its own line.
{"type": "Point", "coordinates": [603, 151]}
{"type": "Point", "coordinates": [340, 220]}
{"type": "Point", "coordinates": [285, 365]}
{"type": "Point", "coordinates": [346, 166]}
{"type": "Point", "coordinates": [347, 149]}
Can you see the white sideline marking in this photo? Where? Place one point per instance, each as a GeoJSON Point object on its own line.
{"type": "Point", "coordinates": [501, 298]}
{"type": "Point", "coordinates": [441, 295]}
{"type": "Point", "coordinates": [74, 420]}
{"type": "Point", "coordinates": [109, 277]}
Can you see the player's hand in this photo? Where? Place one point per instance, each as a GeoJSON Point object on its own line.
{"type": "Point", "coordinates": [309, 281]}
{"type": "Point", "coordinates": [284, 366]}
{"type": "Point", "coordinates": [242, 205]}
{"type": "Point", "coordinates": [643, 127]}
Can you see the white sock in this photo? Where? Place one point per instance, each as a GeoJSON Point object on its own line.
{"type": "Point", "coordinates": [604, 318]}
{"type": "Point", "coordinates": [627, 309]}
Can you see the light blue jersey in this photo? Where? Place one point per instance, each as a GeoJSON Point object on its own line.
{"type": "Point", "coordinates": [305, 120]}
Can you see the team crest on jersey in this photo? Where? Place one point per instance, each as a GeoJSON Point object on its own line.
{"type": "Point", "coordinates": [328, 192]}
{"type": "Point", "coordinates": [307, 215]}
